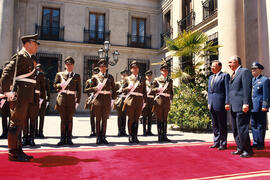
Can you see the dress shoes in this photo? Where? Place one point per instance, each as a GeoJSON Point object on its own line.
{"type": "Point", "coordinates": [135, 140]}
{"type": "Point", "coordinates": [93, 134]}
{"type": "Point", "coordinates": [4, 136]}
{"type": "Point", "coordinates": [236, 152]}
{"type": "Point", "coordinates": [24, 154]}
{"type": "Point", "coordinates": [124, 133]}
{"type": "Point", "coordinates": [104, 141]}
{"type": "Point", "coordinates": [41, 135]}
{"type": "Point", "coordinates": [222, 148]}
{"type": "Point", "coordinates": [98, 140]}
{"type": "Point", "coordinates": [214, 146]}
{"type": "Point", "coordinates": [246, 154]}
{"type": "Point", "coordinates": [149, 133]}
{"type": "Point", "coordinates": [61, 142]}
{"type": "Point", "coordinates": [18, 158]}
{"type": "Point", "coordinates": [130, 139]}
{"type": "Point", "coordinates": [31, 142]}
{"type": "Point", "coordinates": [69, 142]}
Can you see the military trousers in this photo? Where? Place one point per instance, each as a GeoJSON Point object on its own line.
{"type": "Point", "coordinates": [29, 126]}
{"type": "Point", "coordinates": [258, 126]}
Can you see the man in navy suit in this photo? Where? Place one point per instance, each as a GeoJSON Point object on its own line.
{"type": "Point", "coordinates": [218, 96]}
{"type": "Point", "coordinates": [240, 106]}
{"type": "Point", "coordinates": [260, 102]}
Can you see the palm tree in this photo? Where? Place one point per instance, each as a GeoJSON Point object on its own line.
{"type": "Point", "coordinates": [189, 44]}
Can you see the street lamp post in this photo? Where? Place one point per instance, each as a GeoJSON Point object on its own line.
{"type": "Point", "coordinates": [103, 53]}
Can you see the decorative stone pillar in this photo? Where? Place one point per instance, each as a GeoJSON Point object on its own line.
{"type": "Point", "coordinates": [231, 31]}
{"type": "Point", "coordinates": [6, 29]}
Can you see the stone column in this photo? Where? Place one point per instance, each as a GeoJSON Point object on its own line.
{"type": "Point", "coordinates": [231, 31]}
{"type": "Point", "coordinates": [264, 34]}
{"type": "Point", "coordinates": [6, 29]}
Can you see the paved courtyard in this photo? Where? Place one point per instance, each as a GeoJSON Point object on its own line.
{"type": "Point", "coordinates": [81, 132]}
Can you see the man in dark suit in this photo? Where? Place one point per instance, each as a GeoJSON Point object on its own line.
{"type": "Point", "coordinates": [218, 96]}
{"type": "Point", "coordinates": [240, 106]}
{"type": "Point", "coordinates": [260, 102]}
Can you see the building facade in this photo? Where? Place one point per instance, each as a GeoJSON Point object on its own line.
{"type": "Point", "coordinates": [136, 28]}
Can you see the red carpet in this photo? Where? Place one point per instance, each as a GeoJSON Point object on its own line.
{"type": "Point", "coordinates": [173, 161]}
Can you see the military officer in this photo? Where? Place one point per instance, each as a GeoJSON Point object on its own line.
{"type": "Point", "coordinates": [20, 94]}
{"type": "Point", "coordinates": [136, 95]}
{"type": "Point", "coordinates": [147, 110]}
{"type": "Point", "coordinates": [39, 96]}
{"type": "Point", "coordinates": [162, 86]}
{"type": "Point", "coordinates": [102, 84]}
{"type": "Point", "coordinates": [44, 105]}
{"type": "Point", "coordinates": [68, 85]}
{"type": "Point", "coordinates": [88, 103]}
{"type": "Point", "coordinates": [260, 104]}
{"type": "Point", "coordinates": [5, 113]}
{"type": "Point", "coordinates": [119, 104]}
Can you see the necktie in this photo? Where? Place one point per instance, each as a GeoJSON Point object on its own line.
{"type": "Point", "coordinates": [233, 74]}
{"type": "Point", "coordinates": [213, 81]}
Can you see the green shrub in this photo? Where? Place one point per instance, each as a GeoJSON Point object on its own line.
{"type": "Point", "coordinates": [189, 107]}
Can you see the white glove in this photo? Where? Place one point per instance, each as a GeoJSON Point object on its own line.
{"type": "Point", "coordinates": [47, 104]}
{"type": "Point", "coordinates": [10, 95]}
{"type": "Point", "coordinates": [63, 84]}
{"type": "Point", "coordinates": [112, 103]}
{"type": "Point", "coordinates": [40, 102]}
{"type": "Point", "coordinates": [76, 105]}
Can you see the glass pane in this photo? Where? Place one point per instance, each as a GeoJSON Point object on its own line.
{"type": "Point", "coordinates": [92, 26]}
{"type": "Point", "coordinates": [46, 21]}
{"type": "Point", "coordinates": [141, 31]}
{"type": "Point", "coordinates": [101, 27]}
{"type": "Point", "coordinates": [134, 30]}
{"type": "Point", "coordinates": [55, 22]}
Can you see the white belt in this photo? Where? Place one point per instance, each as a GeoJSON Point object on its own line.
{"type": "Point", "coordinates": [37, 91]}
{"type": "Point", "coordinates": [26, 80]}
{"type": "Point", "coordinates": [122, 96]}
{"type": "Point", "coordinates": [164, 94]}
{"type": "Point", "coordinates": [150, 96]}
{"type": "Point", "coordinates": [68, 92]}
{"type": "Point", "coordinates": [136, 94]}
{"type": "Point", "coordinates": [105, 92]}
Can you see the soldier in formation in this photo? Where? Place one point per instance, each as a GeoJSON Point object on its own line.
{"type": "Point", "coordinates": [135, 90]}
{"type": "Point", "coordinates": [119, 102]}
{"type": "Point", "coordinates": [103, 87]}
{"type": "Point", "coordinates": [68, 85]}
{"type": "Point", "coordinates": [88, 103]}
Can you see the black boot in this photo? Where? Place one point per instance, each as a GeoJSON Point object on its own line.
{"type": "Point", "coordinates": [4, 135]}
{"type": "Point", "coordinates": [136, 126]}
{"type": "Point", "coordinates": [165, 138]}
{"type": "Point", "coordinates": [31, 142]}
{"type": "Point", "coordinates": [130, 139]}
{"type": "Point", "coordinates": [25, 141]}
{"type": "Point", "coordinates": [149, 133]}
{"type": "Point", "coordinates": [159, 131]}
{"type": "Point", "coordinates": [144, 126]}
{"type": "Point", "coordinates": [15, 155]}
{"type": "Point", "coordinates": [93, 126]}
{"type": "Point", "coordinates": [98, 139]}
{"type": "Point", "coordinates": [62, 141]}
{"type": "Point", "coordinates": [69, 141]}
{"type": "Point", "coordinates": [69, 133]}
{"type": "Point", "coordinates": [63, 135]}
{"type": "Point", "coordinates": [103, 139]}
{"type": "Point", "coordinates": [123, 128]}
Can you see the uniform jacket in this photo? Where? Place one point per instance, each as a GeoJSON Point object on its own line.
{"type": "Point", "coordinates": [240, 90]}
{"type": "Point", "coordinates": [150, 98]}
{"type": "Point", "coordinates": [218, 93]}
{"type": "Point", "coordinates": [40, 86]}
{"type": "Point", "coordinates": [161, 80]}
{"type": "Point", "coordinates": [109, 86]}
{"type": "Point", "coordinates": [24, 90]}
{"type": "Point", "coordinates": [119, 101]}
{"type": "Point", "coordinates": [260, 93]}
{"type": "Point", "coordinates": [141, 88]}
{"type": "Point", "coordinates": [74, 85]}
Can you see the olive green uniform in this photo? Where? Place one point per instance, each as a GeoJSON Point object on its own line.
{"type": "Point", "coordinates": [101, 103]}
{"type": "Point", "coordinates": [66, 102]}
{"type": "Point", "coordinates": [162, 104]}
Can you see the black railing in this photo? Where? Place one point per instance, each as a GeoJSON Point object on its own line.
{"type": "Point", "coordinates": [209, 8]}
{"type": "Point", "coordinates": [139, 41]}
{"type": "Point", "coordinates": [96, 37]}
{"type": "Point", "coordinates": [50, 33]}
{"type": "Point", "coordinates": [165, 35]}
{"type": "Point", "coordinates": [187, 22]}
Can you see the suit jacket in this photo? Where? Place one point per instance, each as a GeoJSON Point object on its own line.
{"type": "Point", "coordinates": [260, 93]}
{"type": "Point", "coordinates": [24, 90]}
{"type": "Point", "coordinates": [218, 93]}
{"type": "Point", "coordinates": [240, 90]}
{"type": "Point", "coordinates": [74, 85]}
